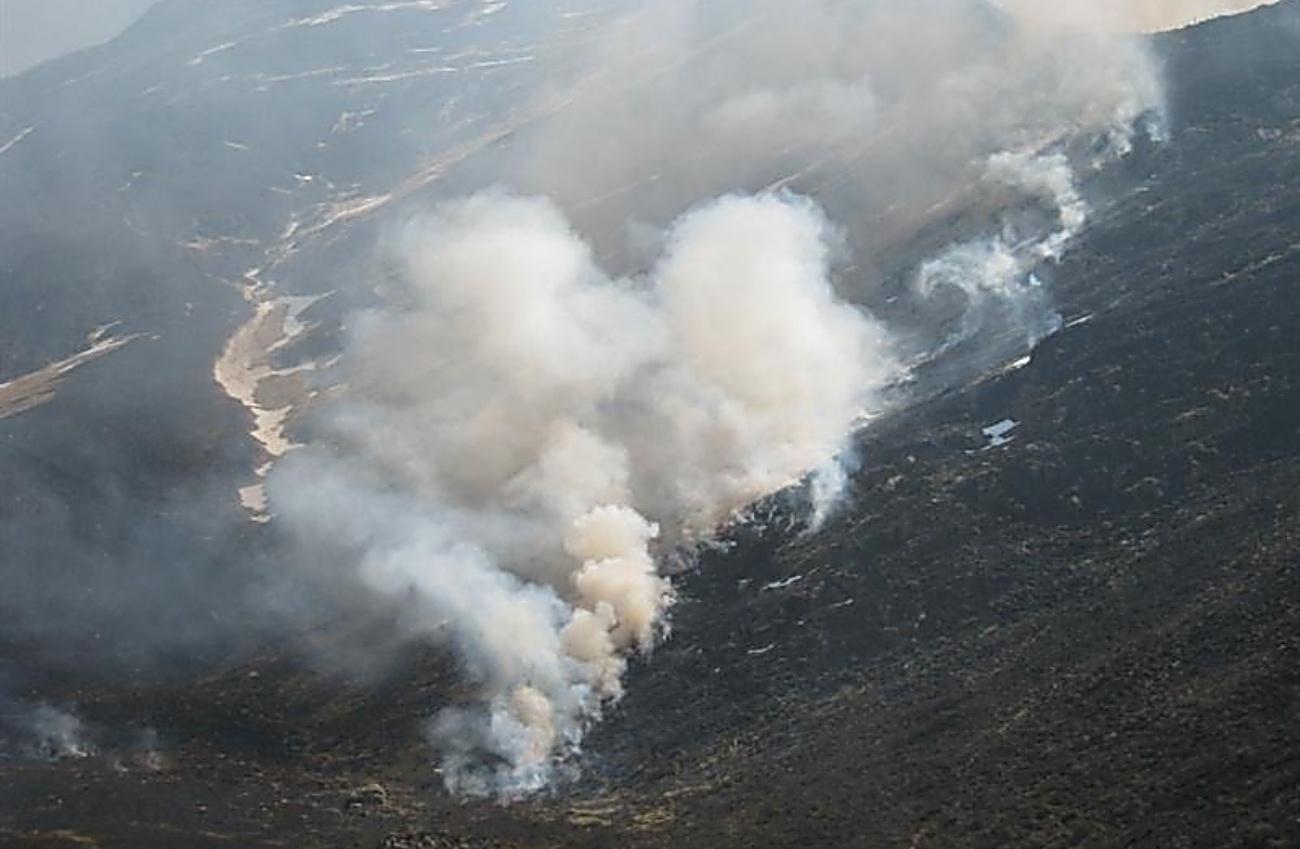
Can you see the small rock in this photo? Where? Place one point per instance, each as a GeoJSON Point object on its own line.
{"type": "Point", "coordinates": [421, 840]}
{"type": "Point", "coordinates": [371, 795]}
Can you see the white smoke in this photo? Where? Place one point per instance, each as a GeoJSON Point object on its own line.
{"type": "Point", "coordinates": [880, 108]}
{"type": "Point", "coordinates": [524, 436]}
{"type": "Point", "coordinates": [42, 731]}
{"type": "Point", "coordinates": [59, 734]}
{"type": "Point", "coordinates": [1000, 270]}
{"type": "Point", "coordinates": [522, 427]}
{"type": "Point", "coordinates": [827, 487]}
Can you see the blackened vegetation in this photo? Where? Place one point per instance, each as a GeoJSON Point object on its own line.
{"type": "Point", "coordinates": [1089, 636]}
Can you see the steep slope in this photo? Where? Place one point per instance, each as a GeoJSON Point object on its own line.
{"type": "Point", "coordinates": [1084, 636]}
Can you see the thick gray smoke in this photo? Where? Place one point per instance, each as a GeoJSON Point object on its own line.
{"type": "Point", "coordinates": [521, 428]}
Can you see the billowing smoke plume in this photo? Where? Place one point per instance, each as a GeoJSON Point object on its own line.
{"type": "Point", "coordinates": [523, 433]}
{"type": "Point", "coordinates": [566, 384]}
{"type": "Point", "coordinates": [521, 428]}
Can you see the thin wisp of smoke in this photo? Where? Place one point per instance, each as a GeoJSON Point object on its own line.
{"type": "Point", "coordinates": [42, 732]}
{"type": "Point", "coordinates": [998, 272]}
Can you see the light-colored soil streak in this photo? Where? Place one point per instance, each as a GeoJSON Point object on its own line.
{"type": "Point", "coordinates": [31, 390]}
{"type": "Point", "coordinates": [246, 372]}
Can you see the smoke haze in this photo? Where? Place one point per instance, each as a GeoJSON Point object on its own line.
{"type": "Point", "coordinates": [1139, 15]}
{"type": "Point", "coordinates": [33, 31]}
{"type": "Point", "coordinates": [715, 244]}
{"type": "Point", "coordinates": [881, 110]}
{"type": "Point", "coordinates": [549, 400]}
{"type": "Point", "coordinates": [524, 432]}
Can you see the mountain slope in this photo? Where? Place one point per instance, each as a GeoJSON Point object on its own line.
{"type": "Point", "coordinates": [1086, 636]}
